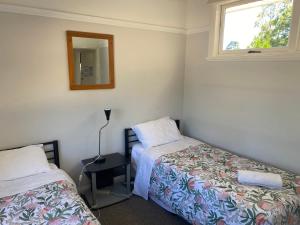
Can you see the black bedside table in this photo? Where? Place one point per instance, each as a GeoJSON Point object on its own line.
{"type": "Point", "coordinates": [112, 194]}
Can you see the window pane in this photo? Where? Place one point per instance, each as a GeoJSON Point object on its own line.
{"type": "Point", "coordinates": [260, 24]}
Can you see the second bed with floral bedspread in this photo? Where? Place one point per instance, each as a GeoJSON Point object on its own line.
{"type": "Point", "coordinates": [55, 203]}
{"type": "Point", "coordinates": [200, 184]}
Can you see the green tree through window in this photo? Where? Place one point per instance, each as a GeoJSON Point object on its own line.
{"type": "Point", "coordinates": [275, 23]}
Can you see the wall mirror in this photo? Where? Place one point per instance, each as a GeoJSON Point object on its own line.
{"type": "Point", "coordinates": [91, 60]}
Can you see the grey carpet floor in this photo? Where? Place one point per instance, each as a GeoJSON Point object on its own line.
{"type": "Point", "coordinates": [137, 211]}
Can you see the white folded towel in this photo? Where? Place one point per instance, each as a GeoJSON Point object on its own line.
{"type": "Point", "coordinates": [269, 180]}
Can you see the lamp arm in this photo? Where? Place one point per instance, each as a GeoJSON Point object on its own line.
{"type": "Point", "coordinates": [105, 125]}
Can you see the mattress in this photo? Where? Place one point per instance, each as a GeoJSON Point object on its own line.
{"type": "Point", "coordinates": [199, 183]}
{"type": "Point", "coordinates": [45, 198]}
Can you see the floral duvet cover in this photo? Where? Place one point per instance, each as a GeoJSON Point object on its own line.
{"type": "Point", "coordinates": [56, 203]}
{"type": "Point", "coordinates": [200, 184]}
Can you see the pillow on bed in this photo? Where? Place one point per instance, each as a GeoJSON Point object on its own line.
{"type": "Point", "coordinates": [23, 162]}
{"type": "Point", "coordinates": [157, 132]}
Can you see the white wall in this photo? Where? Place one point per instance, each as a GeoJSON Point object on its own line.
{"type": "Point", "coordinates": [197, 14]}
{"type": "Point", "coordinates": [159, 12]}
{"type": "Point", "coordinates": [37, 105]}
{"type": "Point", "coordinates": [251, 108]}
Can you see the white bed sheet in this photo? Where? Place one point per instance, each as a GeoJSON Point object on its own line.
{"type": "Point", "coordinates": [145, 159]}
{"type": "Point", "coordinates": [137, 150]}
{"type": "Point", "coordinates": [12, 187]}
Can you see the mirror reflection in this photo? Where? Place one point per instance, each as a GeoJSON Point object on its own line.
{"type": "Point", "coordinates": [90, 61]}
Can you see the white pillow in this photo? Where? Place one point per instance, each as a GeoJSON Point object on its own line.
{"type": "Point", "coordinates": [23, 162]}
{"type": "Point", "coordinates": [157, 132]}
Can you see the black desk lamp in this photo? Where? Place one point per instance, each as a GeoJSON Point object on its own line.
{"type": "Point", "coordinates": [99, 158]}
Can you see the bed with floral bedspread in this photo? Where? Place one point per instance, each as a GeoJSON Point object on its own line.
{"type": "Point", "coordinates": [200, 184]}
{"type": "Point", "coordinates": [54, 203]}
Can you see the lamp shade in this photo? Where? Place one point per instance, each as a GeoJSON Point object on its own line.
{"type": "Point", "coordinates": [107, 113]}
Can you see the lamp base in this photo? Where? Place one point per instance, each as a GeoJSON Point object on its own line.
{"type": "Point", "coordinates": [101, 159]}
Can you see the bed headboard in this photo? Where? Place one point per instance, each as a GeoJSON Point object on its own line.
{"type": "Point", "coordinates": [131, 139]}
{"type": "Point", "coordinates": [51, 151]}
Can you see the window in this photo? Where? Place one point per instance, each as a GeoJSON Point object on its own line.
{"type": "Point", "coordinates": [256, 27]}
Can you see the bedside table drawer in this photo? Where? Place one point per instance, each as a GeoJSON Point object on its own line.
{"type": "Point", "coordinates": [104, 178]}
{"type": "Point", "coordinates": [119, 171]}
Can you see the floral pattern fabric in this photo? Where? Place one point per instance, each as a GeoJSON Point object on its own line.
{"type": "Point", "coordinates": [200, 184]}
{"type": "Point", "coordinates": [56, 203]}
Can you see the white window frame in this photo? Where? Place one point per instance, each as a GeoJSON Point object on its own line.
{"type": "Point", "coordinates": [216, 52]}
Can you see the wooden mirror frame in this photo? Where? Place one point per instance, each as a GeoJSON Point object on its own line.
{"type": "Point", "coordinates": [110, 38]}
